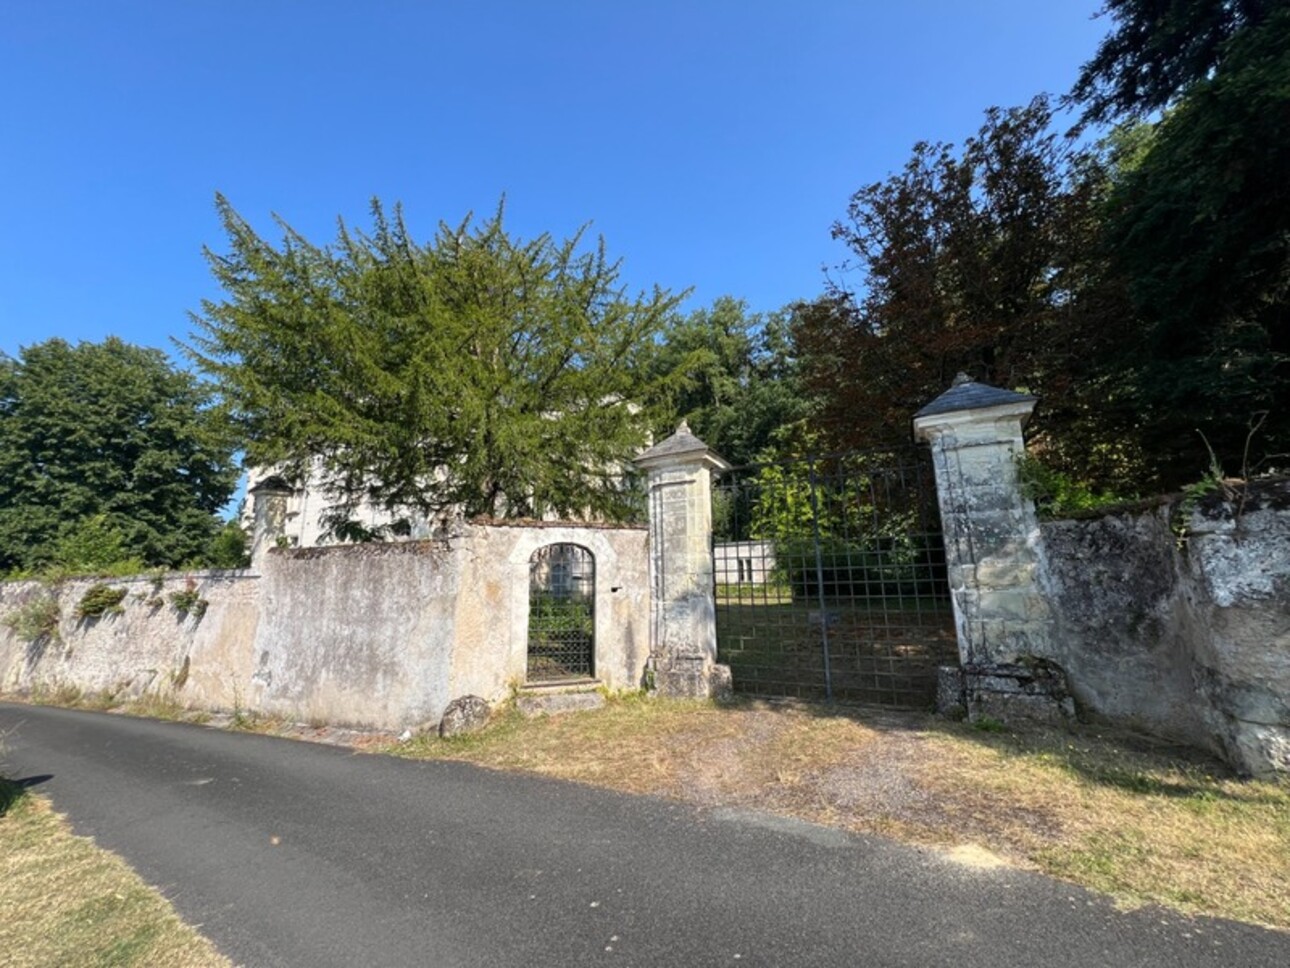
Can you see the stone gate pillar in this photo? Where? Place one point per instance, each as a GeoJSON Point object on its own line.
{"type": "Point", "coordinates": [683, 630]}
{"type": "Point", "coordinates": [992, 539]}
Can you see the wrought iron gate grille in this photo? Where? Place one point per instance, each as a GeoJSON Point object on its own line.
{"type": "Point", "coordinates": [562, 596]}
{"type": "Point", "coordinates": [830, 578]}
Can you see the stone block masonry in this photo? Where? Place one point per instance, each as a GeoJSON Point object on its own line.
{"type": "Point", "coordinates": [682, 591]}
{"type": "Point", "coordinates": [1003, 621]}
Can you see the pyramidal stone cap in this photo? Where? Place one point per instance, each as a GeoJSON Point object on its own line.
{"type": "Point", "coordinates": [680, 444]}
{"type": "Point", "coordinates": [966, 394]}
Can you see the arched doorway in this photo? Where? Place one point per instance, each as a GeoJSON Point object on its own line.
{"type": "Point", "coordinates": [562, 619]}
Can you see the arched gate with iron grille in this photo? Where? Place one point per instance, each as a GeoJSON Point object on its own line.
{"type": "Point", "coordinates": [562, 619]}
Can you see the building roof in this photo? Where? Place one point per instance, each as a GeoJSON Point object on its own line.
{"type": "Point", "coordinates": [273, 484]}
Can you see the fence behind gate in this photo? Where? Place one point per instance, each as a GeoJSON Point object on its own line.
{"type": "Point", "coordinates": [830, 578]}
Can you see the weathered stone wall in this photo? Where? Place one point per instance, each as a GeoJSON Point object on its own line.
{"type": "Point", "coordinates": [492, 605]}
{"type": "Point", "coordinates": [148, 646]}
{"type": "Point", "coordinates": [356, 634]}
{"type": "Point", "coordinates": [379, 635]}
{"type": "Point", "coordinates": [1185, 636]}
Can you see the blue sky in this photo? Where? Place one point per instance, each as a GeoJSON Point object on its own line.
{"type": "Point", "coordinates": [712, 143]}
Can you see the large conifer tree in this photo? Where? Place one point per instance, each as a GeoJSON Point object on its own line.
{"type": "Point", "coordinates": [477, 373]}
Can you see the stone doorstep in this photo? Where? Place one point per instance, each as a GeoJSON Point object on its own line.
{"type": "Point", "coordinates": [565, 696]}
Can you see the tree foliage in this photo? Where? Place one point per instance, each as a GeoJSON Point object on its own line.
{"type": "Point", "coordinates": [106, 452]}
{"type": "Point", "coordinates": [476, 373]}
{"type": "Point", "coordinates": [1158, 49]}
{"type": "Point", "coordinates": [1198, 224]}
{"type": "Point", "coordinates": [732, 375]}
{"type": "Point", "coordinates": [985, 260]}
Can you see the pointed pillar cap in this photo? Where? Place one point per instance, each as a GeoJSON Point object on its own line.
{"type": "Point", "coordinates": [681, 448]}
{"type": "Point", "coordinates": [272, 486]}
{"type": "Point", "coordinates": [966, 394]}
{"type": "Point", "coordinates": [967, 401]}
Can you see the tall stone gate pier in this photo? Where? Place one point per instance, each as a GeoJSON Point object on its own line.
{"type": "Point", "coordinates": [682, 592]}
{"type": "Point", "coordinates": [992, 554]}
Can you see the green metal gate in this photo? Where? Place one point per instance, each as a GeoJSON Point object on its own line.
{"type": "Point", "coordinates": [830, 578]}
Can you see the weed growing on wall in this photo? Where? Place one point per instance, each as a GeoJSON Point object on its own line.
{"type": "Point", "coordinates": [36, 620]}
{"type": "Point", "coordinates": [100, 599]}
{"type": "Point", "coordinates": [1057, 494]}
{"type": "Point", "coordinates": [188, 602]}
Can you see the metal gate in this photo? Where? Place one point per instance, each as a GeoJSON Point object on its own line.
{"type": "Point", "coordinates": [830, 578]}
{"type": "Point", "coordinates": [562, 619]}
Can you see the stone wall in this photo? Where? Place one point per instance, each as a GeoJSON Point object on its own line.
{"type": "Point", "coordinates": [493, 602]}
{"type": "Point", "coordinates": [1179, 623]}
{"type": "Point", "coordinates": [376, 635]}
{"type": "Point", "coordinates": [148, 646]}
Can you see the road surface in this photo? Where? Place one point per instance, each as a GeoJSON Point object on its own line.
{"type": "Point", "coordinates": [294, 854]}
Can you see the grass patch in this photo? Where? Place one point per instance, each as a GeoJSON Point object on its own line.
{"type": "Point", "coordinates": [1145, 823]}
{"type": "Point", "coordinates": [66, 902]}
{"type": "Point", "coordinates": [64, 694]}
{"type": "Point", "coordinates": [187, 602]}
{"type": "Point", "coordinates": [157, 705]}
{"type": "Point", "coordinates": [153, 705]}
{"type": "Point", "coordinates": [1110, 811]}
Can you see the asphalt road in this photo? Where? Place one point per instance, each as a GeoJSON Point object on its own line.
{"type": "Point", "coordinates": [289, 853]}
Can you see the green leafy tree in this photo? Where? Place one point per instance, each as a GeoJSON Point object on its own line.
{"type": "Point", "coordinates": [107, 452]}
{"type": "Point", "coordinates": [93, 544]}
{"type": "Point", "coordinates": [229, 547]}
{"type": "Point", "coordinates": [1158, 49]}
{"type": "Point", "coordinates": [732, 375]}
{"type": "Point", "coordinates": [840, 524]}
{"type": "Point", "coordinates": [476, 373]}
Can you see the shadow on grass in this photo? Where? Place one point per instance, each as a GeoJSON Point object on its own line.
{"type": "Point", "coordinates": [1107, 756]}
{"type": "Point", "coordinates": [11, 791]}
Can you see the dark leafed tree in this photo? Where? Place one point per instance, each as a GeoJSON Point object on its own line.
{"type": "Point", "coordinates": [1199, 223]}
{"type": "Point", "coordinates": [1158, 49]}
{"type": "Point", "coordinates": [477, 373]}
{"type": "Point", "coordinates": [107, 452]}
{"type": "Point", "coordinates": [985, 261]}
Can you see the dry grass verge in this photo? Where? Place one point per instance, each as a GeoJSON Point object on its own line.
{"type": "Point", "coordinates": [68, 903]}
{"type": "Point", "coordinates": [1115, 812]}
